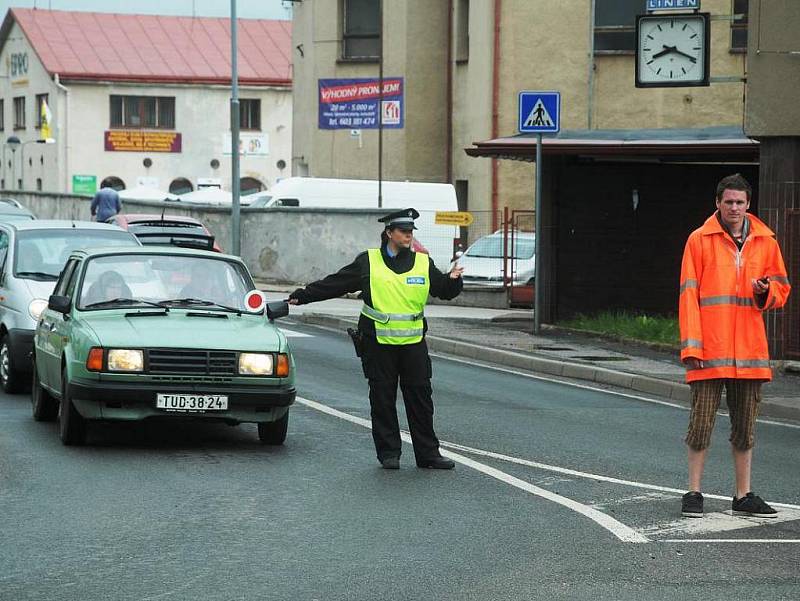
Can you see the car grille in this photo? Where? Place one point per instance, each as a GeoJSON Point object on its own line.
{"type": "Point", "coordinates": [180, 361]}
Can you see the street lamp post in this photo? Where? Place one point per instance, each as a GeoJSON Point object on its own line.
{"type": "Point", "coordinates": [13, 143]}
{"type": "Point", "coordinates": [235, 190]}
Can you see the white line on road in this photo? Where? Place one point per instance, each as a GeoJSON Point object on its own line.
{"type": "Point", "coordinates": [627, 395]}
{"type": "Point", "coordinates": [729, 540]}
{"type": "Point", "coordinates": [588, 475]}
{"type": "Point", "coordinates": [618, 529]}
{"type": "Point", "coordinates": [716, 522]}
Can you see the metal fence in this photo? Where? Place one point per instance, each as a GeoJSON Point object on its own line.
{"type": "Point", "coordinates": [792, 308]}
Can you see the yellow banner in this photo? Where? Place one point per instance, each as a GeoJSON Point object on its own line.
{"type": "Point", "coordinates": [453, 218]}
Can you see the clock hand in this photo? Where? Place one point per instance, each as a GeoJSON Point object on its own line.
{"type": "Point", "coordinates": [691, 58]}
{"type": "Point", "coordinates": [666, 50]}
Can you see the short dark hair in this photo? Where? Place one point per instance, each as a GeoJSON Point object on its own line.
{"type": "Point", "coordinates": [734, 182]}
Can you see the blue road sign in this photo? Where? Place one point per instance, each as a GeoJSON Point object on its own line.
{"type": "Point", "coordinates": [539, 112]}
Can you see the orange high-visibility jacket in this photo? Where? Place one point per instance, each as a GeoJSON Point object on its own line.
{"type": "Point", "coordinates": [720, 317]}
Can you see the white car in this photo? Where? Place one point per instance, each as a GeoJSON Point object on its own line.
{"type": "Point", "coordinates": [483, 260]}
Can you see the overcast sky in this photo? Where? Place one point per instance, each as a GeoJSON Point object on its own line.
{"type": "Point", "coordinates": [247, 9]}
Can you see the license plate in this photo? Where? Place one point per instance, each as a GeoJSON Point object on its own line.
{"type": "Point", "coordinates": [191, 403]}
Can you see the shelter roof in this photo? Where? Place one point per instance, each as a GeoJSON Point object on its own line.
{"type": "Point", "coordinates": [154, 48]}
{"type": "Point", "coordinates": [716, 140]}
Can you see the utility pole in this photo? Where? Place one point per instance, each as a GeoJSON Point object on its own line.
{"type": "Point", "coordinates": [235, 183]}
{"type": "Point", "coordinates": [380, 104]}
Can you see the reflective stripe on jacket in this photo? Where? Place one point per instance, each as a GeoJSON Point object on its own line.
{"type": "Point", "coordinates": [398, 299]}
{"type": "Point", "coordinates": [721, 320]}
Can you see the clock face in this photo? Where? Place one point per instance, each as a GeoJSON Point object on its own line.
{"type": "Point", "coordinates": [672, 50]}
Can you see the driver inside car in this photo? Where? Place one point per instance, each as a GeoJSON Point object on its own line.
{"type": "Point", "coordinates": [109, 286]}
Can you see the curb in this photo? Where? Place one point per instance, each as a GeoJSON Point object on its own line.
{"type": "Point", "coordinates": [675, 391]}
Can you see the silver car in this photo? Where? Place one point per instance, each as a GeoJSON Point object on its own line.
{"type": "Point", "coordinates": [483, 260]}
{"type": "Point", "coordinates": [32, 255]}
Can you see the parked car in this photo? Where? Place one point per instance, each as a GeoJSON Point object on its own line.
{"type": "Point", "coordinates": [483, 260]}
{"type": "Point", "coordinates": [32, 254]}
{"type": "Point", "coordinates": [12, 210]}
{"type": "Point", "coordinates": [175, 230]}
{"type": "Point", "coordinates": [119, 341]}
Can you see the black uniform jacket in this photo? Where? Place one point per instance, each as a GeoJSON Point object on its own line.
{"type": "Point", "coordinates": [355, 277]}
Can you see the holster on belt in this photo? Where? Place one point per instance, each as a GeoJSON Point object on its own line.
{"type": "Point", "coordinates": [358, 340]}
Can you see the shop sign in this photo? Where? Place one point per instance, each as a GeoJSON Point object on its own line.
{"type": "Point", "coordinates": [125, 140]}
{"type": "Point", "coordinates": [84, 184]}
{"type": "Point", "coordinates": [353, 103]}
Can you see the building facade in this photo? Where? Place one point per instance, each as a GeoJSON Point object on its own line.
{"type": "Point", "coordinates": [140, 100]}
{"type": "Point", "coordinates": [463, 63]}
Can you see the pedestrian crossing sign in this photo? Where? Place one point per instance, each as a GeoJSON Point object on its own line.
{"type": "Point", "coordinates": [539, 112]}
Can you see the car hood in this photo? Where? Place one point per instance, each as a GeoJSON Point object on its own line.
{"type": "Point", "coordinates": [184, 329]}
{"type": "Point", "coordinates": [39, 289]}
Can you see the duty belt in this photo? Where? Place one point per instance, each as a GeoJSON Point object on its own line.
{"type": "Point", "coordinates": [387, 317]}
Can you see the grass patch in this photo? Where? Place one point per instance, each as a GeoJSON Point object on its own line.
{"type": "Point", "coordinates": [646, 328]}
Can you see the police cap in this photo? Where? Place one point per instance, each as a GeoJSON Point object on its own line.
{"type": "Point", "coordinates": [403, 220]}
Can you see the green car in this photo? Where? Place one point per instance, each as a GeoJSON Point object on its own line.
{"type": "Point", "coordinates": [170, 333]}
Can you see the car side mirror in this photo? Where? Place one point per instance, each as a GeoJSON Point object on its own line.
{"type": "Point", "coordinates": [61, 304]}
{"type": "Point", "coordinates": [277, 309]}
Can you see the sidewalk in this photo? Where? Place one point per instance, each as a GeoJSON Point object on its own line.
{"type": "Point", "coordinates": [505, 337]}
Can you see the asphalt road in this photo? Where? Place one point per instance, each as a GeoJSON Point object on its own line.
{"type": "Point", "coordinates": [560, 492]}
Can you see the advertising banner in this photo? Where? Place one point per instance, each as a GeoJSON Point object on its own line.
{"type": "Point", "coordinates": [249, 145]}
{"type": "Point", "coordinates": [126, 140]}
{"type": "Point", "coordinates": [353, 103]}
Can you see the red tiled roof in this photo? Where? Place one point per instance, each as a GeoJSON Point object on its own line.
{"type": "Point", "coordinates": [153, 48]}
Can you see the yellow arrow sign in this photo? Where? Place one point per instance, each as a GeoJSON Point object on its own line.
{"type": "Point", "coordinates": [453, 218]}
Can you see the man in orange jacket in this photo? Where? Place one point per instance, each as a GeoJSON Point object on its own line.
{"type": "Point", "coordinates": [732, 271]}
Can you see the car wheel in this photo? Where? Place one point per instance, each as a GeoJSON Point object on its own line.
{"type": "Point", "coordinates": [274, 433]}
{"type": "Point", "coordinates": [10, 378]}
{"type": "Point", "coordinates": [71, 425]}
{"type": "Point", "coordinates": [45, 407]}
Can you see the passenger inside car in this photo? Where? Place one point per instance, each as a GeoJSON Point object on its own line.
{"type": "Point", "coordinates": [108, 286]}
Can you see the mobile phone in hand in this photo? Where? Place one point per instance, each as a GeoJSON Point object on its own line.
{"type": "Point", "coordinates": [764, 280]}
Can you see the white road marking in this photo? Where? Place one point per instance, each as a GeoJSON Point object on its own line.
{"type": "Point", "coordinates": [294, 334]}
{"type": "Point", "coordinates": [729, 540]}
{"type": "Point", "coordinates": [618, 529]}
{"type": "Point", "coordinates": [588, 475]}
{"type": "Point", "coordinates": [645, 498]}
{"type": "Point", "coordinates": [475, 363]}
{"type": "Point", "coordinates": [722, 521]}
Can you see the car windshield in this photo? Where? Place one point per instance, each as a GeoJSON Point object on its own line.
{"type": "Point", "coordinates": [42, 254]}
{"type": "Point", "coordinates": [492, 247]}
{"type": "Point", "coordinates": [167, 280]}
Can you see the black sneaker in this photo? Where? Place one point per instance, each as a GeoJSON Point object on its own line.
{"type": "Point", "coordinates": [753, 506]}
{"type": "Point", "coordinates": [692, 505]}
{"type": "Point", "coordinates": [390, 463]}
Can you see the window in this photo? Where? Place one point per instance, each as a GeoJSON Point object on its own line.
{"type": "Point", "coordinates": [180, 185]}
{"type": "Point", "coordinates": [113, 182]}
{"type": "Point", "coordinates": [250, 185]}
{"type": "Point", "coordinates": [615, 26]}
{"type": "Point", "coordinates": [2, 114]}
{"type": "Point", "coordinates": [19, 112]}
{"type": "Point", "coordinates": [361, 30]}
{"type": "Point", "coordinates": [462, 31]}
{"type": "Point", "coordinates": [153, 112]}
{"type": "Point", "coordinates": [250, 114]}
{"type": "Point", "coordinates": [40, 99]}
{"type": "Point", "coordinates": [739, 26]}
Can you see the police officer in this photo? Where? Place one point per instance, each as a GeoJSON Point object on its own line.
{"type": "Point", "coordinates": [395, 283]}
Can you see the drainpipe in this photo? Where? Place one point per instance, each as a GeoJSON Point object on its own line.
{"type": "Point", "coordinates": [449, 93]}
{"type": "Point", "coordinates": [590, 110]}
{"type": "Point", "coordinates": [64, 131]}
{"type": "Point", "coordinates": [495, 103]}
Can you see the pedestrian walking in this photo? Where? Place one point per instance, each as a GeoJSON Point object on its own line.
{"type": "Point", "coordinates": [732, 271]}
{"type": "Point", "coordinates": [106, 203]}
{"type": "Point", "coordinates": [395, 283]}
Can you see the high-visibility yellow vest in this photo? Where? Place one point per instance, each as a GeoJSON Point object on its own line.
{"type": "Point", "coordinates": [398, 299]}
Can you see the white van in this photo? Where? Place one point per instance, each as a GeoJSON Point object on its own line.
{"type": "Point", "coordinates": [427, 198]}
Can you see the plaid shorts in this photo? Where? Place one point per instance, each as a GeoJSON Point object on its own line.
{"type": "Point", "coordinates": [742, 397]}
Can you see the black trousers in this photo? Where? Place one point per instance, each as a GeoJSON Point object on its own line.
{"type": "Point", "coordinates": [385, 365]}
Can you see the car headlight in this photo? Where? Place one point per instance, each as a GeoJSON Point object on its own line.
{"type": "Point", "coordinates": [120, 359]}
{"type": "Point", "coordinates": [37, 307]}
{"type": "Point", "coordinates": [255, 364]}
